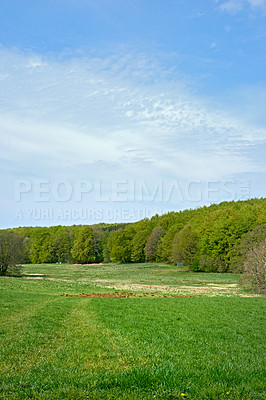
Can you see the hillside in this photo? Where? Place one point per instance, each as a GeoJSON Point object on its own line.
{"type": "Point", "coordinates": [211, 239]}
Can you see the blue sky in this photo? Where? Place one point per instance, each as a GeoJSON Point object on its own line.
{"type": "Point", "coordinates": [115, 110]}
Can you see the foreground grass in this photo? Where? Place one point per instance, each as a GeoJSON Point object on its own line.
{"type": "Point", "coordinates": [55, 347]}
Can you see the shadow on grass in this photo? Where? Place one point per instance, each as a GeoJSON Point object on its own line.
{"type": "Point", "coordinates": [16, 272]}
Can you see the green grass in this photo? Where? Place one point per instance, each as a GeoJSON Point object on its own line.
{"type": "Point", "coordinates": [136, 273]}
{"type": "Point", "coordinates": [55, 347]}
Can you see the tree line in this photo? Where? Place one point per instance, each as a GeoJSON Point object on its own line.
{"type": "Point", "coordinates": [211, 239]}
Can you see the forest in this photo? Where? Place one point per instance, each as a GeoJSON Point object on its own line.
{"type": "Point", "coordinates": [216, 238]}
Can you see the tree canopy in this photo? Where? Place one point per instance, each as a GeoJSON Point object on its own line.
{"type": "Point", "coordinates": [11, 250]}
{"type": "Point", "coordinates": [214, 238]}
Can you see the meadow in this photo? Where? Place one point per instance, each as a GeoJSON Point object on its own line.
{"type": "Point", "coordinates": [178, 335]}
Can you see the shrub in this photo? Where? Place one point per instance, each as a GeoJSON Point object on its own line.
{"type": "Point", "coordinates": [207, 263]}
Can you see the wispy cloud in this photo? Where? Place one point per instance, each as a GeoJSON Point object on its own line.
{"type": "Point", "coordinates": [233, 6]}
{"type": "Point", "coordinates": [89, 115]}
{"type": "Point", "coordinates": [255, 3]}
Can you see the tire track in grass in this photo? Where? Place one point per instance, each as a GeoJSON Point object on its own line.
{"type": "Point", "coordinates": [31, 335]}
{"type": "Point", "coordinates": [93, 360]}
{"type": "Point", "coordinates": [61, 348]}
{"type": "Point", "coordinates": [88, 343]}
{"type": "Point", "coordinates": [12, 322]}
{"type": "Point", "coordinates": [84, 355]}
{"type": "Point", "coordinates": [29, 352]}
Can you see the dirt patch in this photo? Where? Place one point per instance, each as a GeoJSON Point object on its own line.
{"type": "Point", "coordinates": [46, 279]}
{"type": "Point", "coordinates": [32, 277]}
{"type": "Point", "coordinates": [208, 289]}
{"type": "Point", "coordinates": [119, 295]}
{"type": "Point", "coordinates": [36, 274]}
{"type": "Point", "coordinates": [89, 264]}
{"type": "Point", "coordinates": [183, 288]}
{"type": "Point", "coordinates": [107, 295]}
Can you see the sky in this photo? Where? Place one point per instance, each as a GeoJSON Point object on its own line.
{"type": "Point", "coordinates": [115, 110]}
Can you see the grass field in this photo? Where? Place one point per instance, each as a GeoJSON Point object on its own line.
{"type": "Point", "coordinates": [208, 343]}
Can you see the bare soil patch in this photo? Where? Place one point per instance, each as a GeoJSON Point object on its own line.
{"type": "Point", "coordinates": [192, 288]}
{"type": "Point", "coordinates": [89, 264]}
{"type": "Point", "coordinates": [208, 289]}
{"type": "Point", "coordinates": [46, 278]}
{"type": "Point", "coordinates": [119, 295]}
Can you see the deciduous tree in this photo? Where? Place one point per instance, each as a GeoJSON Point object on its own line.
{"type": "Point", "coordinates": [83, 250]}
{"type": "Point", "coordinates": [255, 267]}
{"type": "Point", "coordinates": [121, 245]}
{"type": "Point", "coordinates": [153, 242]}
{"type": "Point", "coordinates": [11, 249]}
{"type": "Point", "coordinates": [184, 246]}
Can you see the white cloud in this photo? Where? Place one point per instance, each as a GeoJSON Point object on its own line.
{"type": "Point", "coordinates": [115, 118]}
{"type": "Point", "coordinates": [107, 117]}
{"type": "Point", "coordinates": [255, 3]}
{"type": "Point", "coordinates": [233, 6]}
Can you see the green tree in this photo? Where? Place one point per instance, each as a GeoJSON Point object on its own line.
{"type": "Point", "coordinates": [221, 231]}
{"type": "Point", "coordinates": [143, 229]}
{"type": "Point", "coordinates": [83, 250]}
{"type": "Point", "coordinates": [11, 250]}
{"type": "Point", "coordinates": [62, 243]}
{"type": "Point", "coordinates": [138, 245]}
{"type": "Point", "coordinates": [98, 242]}
{"type": "Point", "coordinates": [120, 245]}
{"type": "Point", "coordinates": [41, 245]}
{"type": "Point", "coordinates": [184, 246]}
{"type": "Point", "coordinates": [164, 250]}
{"type": "Point", "coordinates": [153, 241]}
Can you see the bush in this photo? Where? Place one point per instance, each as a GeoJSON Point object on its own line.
{"type": "Point", "coordinates": [207, 263]}
{"type": "Point", "coordinates": [255, 268]}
